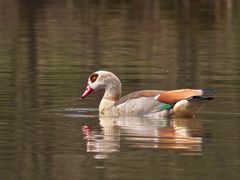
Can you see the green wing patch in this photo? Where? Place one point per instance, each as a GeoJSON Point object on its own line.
{"type": "Point", "coordinates": [164, 106]}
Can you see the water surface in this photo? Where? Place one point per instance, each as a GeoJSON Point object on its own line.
{"type": "Point", "coordinates": [49, 48]}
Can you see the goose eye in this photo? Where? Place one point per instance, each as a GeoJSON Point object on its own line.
{"type": "Point", "coordinates": [93, 77]}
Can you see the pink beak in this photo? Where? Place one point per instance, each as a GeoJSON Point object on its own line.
{"type": "Point", "coordinates": [87, 92]}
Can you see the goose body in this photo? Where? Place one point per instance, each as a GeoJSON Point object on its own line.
{"type": "Point", "coordinates": [157, 103]}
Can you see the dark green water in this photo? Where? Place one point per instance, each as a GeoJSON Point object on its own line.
{"type": "Point", "coordinates": [48, 49]}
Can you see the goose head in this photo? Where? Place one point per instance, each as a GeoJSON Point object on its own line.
{"type": "Point", "coordinates": [103, 80]}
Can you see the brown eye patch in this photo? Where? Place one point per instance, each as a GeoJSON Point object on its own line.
{"type": "Point", "coordinates": [93, 77]}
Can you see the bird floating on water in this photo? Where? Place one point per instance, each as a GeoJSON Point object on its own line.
{"type": "Point", "coordinates": [153, 103]}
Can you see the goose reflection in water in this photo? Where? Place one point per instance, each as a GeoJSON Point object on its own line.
{"type": "Point", "coordinates": [138, 132]}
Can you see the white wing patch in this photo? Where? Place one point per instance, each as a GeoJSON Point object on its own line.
{"type": "Point", "coordinates": [186, 108]}
{"type": "Point", "coordinates": [139, 106]}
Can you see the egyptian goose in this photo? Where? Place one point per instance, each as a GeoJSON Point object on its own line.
{"type": "Point", "coordinates": [182, 102]}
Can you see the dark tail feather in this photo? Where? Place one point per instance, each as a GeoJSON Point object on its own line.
{"type": "Point", "coordinates": [199, 98]}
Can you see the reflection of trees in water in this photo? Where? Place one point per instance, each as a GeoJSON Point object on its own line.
{"type": "Point", "coordinates": [184, 41]}
{"type": "Point", "coordinates": [135, 132]}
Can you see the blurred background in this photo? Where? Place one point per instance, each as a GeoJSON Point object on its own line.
{"type": "Point", "coordinates": [48, 48]}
